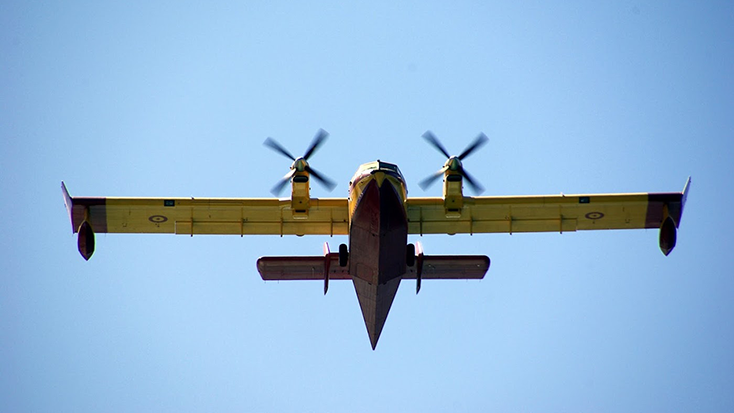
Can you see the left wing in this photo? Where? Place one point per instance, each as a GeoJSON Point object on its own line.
{"type": "Point", "coordinates": [193, 216]}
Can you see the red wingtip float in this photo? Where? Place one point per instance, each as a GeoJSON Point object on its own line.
{"type": "Point", "coordinates": [378, 216]}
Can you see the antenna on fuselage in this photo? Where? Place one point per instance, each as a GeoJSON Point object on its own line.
{"type": "Point", "coordinates": [453, 164]}
{"type": "Point", "coordinates": [300, 165]}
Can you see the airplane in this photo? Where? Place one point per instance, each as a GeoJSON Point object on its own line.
{"type": "Point", "coordinates": [377, 217]}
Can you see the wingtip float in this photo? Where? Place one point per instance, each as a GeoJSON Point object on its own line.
{"type": "Point", "coordinates": [85, 239]}
{"type": "Point", "coordinates": [377, 217]}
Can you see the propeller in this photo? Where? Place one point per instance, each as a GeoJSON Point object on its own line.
{"type": "Point", "coordinates": [453, 163]}
{"type": "Point", "coordinates": [300, 164]}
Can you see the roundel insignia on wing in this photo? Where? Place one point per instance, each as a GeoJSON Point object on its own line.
{"type": "Point", "coordinates": [157, 219]}
{"type": "Point", "coordinates": [594, 215]}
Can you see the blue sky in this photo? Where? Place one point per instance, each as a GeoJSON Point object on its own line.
{"type": "Point", "coordinates": [175, 99]}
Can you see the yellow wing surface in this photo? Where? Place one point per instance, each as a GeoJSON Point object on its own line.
{"type": "Point", "coordinates": [548, 213]}
{"type": "Point", "coordinates": [551, 213]}
{"type": "Point", "coordinates": [194, 216]}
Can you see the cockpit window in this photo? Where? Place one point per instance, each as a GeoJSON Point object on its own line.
{"type": "Point", "coordinates": [387, 167]}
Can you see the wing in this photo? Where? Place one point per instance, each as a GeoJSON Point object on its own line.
{"type": "Point", "coordinates": [552, 213]}
{"type": "Point", "coordinates": [190, 216]}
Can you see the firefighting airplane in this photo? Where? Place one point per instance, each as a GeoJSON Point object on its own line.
{"type": "Point", "coordinates": [377, 216]}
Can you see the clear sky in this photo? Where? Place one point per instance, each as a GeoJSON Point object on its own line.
{"type": "Point", "coordinates": [175, 99]}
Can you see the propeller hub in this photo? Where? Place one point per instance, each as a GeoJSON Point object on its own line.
{"type": "Point", "coordinates": [300, 164]}
{"type": "Point", "coordinates": [453, 163]}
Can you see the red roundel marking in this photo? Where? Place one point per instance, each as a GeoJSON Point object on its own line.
{"type": "Point", "coordinates": [594, 215]}
{"type": "Point", "coordinates": [157, 219]}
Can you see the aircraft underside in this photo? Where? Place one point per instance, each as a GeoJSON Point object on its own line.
{"type": "Point", "coordinates": [378, 239]}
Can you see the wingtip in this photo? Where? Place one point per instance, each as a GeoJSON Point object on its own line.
{"type": "Point", "coordinates": [69, 203]}
{"type": "Point", "coordinates": [686, 188]}
{"type": "Point", "coordinates": [64, 190]}
{"type": "Point", "coordinates": [683, 198]}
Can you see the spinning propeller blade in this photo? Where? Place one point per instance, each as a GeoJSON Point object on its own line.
{"type": "Point", "coordinates": [433, 140]}
{"type": "Point", "coordinates": [328, 183]}
{"type": "Point", "coordinates": [273, 144]}
{"type": "Point", "coordinates": [480, 140]}
{"type": "Point", "coordinates": [320, 137]}
{"type": "Point", "coordinates": [278, 188]}
{"type": "Point", "coordinates": [476, 187]}
{"type": "Point", "coordinates": [300, 164]}
{"type": "Point", "coordinates": [427, 182]}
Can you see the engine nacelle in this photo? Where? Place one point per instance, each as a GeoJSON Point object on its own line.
{"type": "Point", "coordinates": [300, 196]}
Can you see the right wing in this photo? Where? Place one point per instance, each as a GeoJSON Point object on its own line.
{"type": "Point", "coordinates": [551, 213]}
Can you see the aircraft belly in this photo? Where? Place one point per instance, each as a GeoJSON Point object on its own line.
{"type": "Point", "coordinates": [378, 237]}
